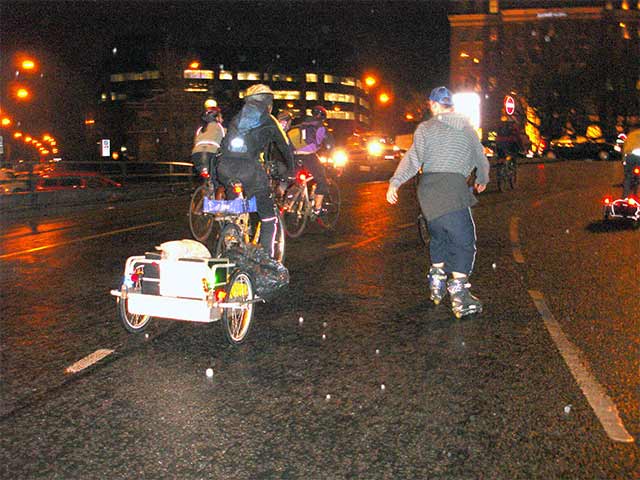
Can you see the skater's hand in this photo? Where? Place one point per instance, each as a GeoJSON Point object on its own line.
{"type": "Point", "coordinates": [392, 194]}
{"type": "Point", "coordinates": [480, 188]}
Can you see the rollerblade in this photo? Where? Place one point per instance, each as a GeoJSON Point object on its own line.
{"type": "Point", "coordinates": [437, 284]}
{"type": "Point", "coordinates": [462, 301]}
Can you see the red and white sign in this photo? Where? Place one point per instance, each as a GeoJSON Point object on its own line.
{"type": "Point", "coordinates": [509, 105]}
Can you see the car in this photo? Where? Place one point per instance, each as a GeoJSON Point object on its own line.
{"type": "Point", "coordinates": [366, 154]}
{"type": "Point", "coordinates": [578, 147]}
{"type": "Point", "coordinates": [61, 181]}
{"type": "Point", "coordinates": [10, 183]}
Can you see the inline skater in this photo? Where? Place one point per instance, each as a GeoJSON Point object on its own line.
{"type": "Point", "coordinates": [243, 156]}
{"type": "Point", "coordinates": [631, 151]}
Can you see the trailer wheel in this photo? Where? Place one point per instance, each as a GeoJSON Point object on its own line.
{"type": "Point", "coordinates": [236, 322]}
{"type": "Point", "coordinates": [131, 322]}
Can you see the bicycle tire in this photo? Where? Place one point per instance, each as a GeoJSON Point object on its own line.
{"type": "Point", "coordinates": [230, 236]}
{"type": "Point", "coordinates": [280, 239]}
{"type": "Point", "coordinates": [295, 217]}
{"type": "Point", "coordinates": [200, 223]}
{"type": "Point", "coordinates": [237, 322]}
{"type": "Point", "coordinates": [331, 202]}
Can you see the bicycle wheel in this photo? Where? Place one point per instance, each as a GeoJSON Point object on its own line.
{"type": "Point", "coordinates": [236, 322]}
{"type": "Point", "coordinates": [132, 323]}
{"type": "Point", "coordinates": [200, 223]}
{"type": "Point", "coordinates": [280, 239]}
{"type": "Point", "coordinates": [230, 236]}
{"type": "Point", "coordinates": [331, 202]}
{"type": "Point", "coordinates": [512, 177]}
{"type": "Point", "coordinates": [500, 176]}
{"type": "Point", "coordinates": [295, 212]}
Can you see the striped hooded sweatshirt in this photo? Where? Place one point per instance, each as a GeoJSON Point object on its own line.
{"type": "Point", "coordinates": [447, 150]}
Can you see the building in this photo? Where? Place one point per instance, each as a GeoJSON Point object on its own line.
{"type": "Point", "coordinates": [578, 64]}
{"type": "Point", "coordinates": [157, 105]}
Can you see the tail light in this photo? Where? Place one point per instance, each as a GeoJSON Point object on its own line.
{"type": "Point", "coordinates": [636, 171]}
{"type": "Point", "coordinates": [303, 176]}
{"type": "Point", "coordinates": [204, 174]}
{"type": "Point", "coordinates": [237, 188]}
{"type": "Point", "coordinates": [219, 295]}
{"type": "Point", "coordinates": [606, 200]}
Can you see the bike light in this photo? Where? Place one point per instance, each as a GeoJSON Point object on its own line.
{"type": "Point", "coordinates": [219, 295]}
{"type": "Point", "coordinates": [632, 201]}
{"type": "Point", "coordinates": [237, 188]}
{"type": "Point", "coordinates": [340, 158]}
{"type": "Point", "coordinates": [204, 174]}
{"type": "Point", "coordinates": [607, 200]}
{"type": "Point", "coordinates": [636, 171]}
{"type": "Point", "coordinates": [302, 176]}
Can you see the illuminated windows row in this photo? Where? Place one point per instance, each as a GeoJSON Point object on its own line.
{"type": "Point", "coordinates": [275, 77]}
{"type": "Point", "coordinates": [297, 95]}
{"type": "Point", "coordinates": [133, 76]}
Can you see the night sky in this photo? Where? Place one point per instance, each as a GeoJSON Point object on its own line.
{"type": "Point", "coordinates": [407, 42]}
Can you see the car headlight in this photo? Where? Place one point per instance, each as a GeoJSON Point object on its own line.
{"type": "Point", "coordinates": [374, 148]}
{"type": "Point", "coordinates": [617, 148]}
{"type": "Point", "coordinates": [340, 158]}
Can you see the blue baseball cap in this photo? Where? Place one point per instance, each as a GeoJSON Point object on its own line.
{"type": "Point", "coordinates": [441, 95]}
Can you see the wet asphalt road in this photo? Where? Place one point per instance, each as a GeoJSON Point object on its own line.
{"type": "Point", "coordinates": [376, 382]}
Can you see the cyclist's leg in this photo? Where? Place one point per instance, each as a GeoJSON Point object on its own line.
{"type": "Point", "coordinates": [269, 220]}
{"type": "Point", "coordinates": [312, 163]}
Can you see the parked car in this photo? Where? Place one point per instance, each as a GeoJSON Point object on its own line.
{"type": "Point", "coordinates": [10, 183]}
{"type": "Point", "coordinates": [578, 147]}
{"type": "Point", "coordinates": [367, 154]}
{"type": "Point", "coordinates": [56, 181]}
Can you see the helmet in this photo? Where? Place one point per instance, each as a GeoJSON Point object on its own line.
{"type": "Point", "coordinates": [258, 89]}
{"type": "Point", "coordinates": [210, 103]}
{"type": "Point", "coordinates": [284, 115]}
{"type": "Point", "coordinates": [210, 115]}
{"type": "Point", "coordinates": [319, 112]}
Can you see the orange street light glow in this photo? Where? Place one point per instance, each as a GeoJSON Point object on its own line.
{"type": "Point", "coordinates": [194, 65]}
{"type": "Point", "coordinates": [384, 98]}
{"type": "Point", "coordinates": [17, 135]}
{"type": "Point", "coordinates": [89, 121]}
{"type": "Point", "coordinates": [27, 139]}
{"type": "Point", "coordinates": [28, 64]}
{"type": "Point", "coordinates": [6, 121]}
{"type": "Point", "coordinates": [409, 116]}
{"type": "Point", "coordinates": [370, 81]}
{"type": "Point", "coordinates": [22, 93]}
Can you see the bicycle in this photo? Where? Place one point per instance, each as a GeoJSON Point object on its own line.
{"type": "Point", "coordinates": [297, 203]}
{"type": "Point", "coordinates": [506, 171]}
{"type": "Point", "coordinates": [241, 225]}
{"type": "Point", "coordinates": [201, 223]}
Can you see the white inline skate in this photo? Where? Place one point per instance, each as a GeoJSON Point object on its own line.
{"type": "Point", "coordinates": [437, 284]}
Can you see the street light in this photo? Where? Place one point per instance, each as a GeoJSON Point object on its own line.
{"type": "Point", "coordinates": [370, 81]}
{"type": "Point", "coordinates": [384, 98]}
{"type": "Point", "coordinates": [6, 121]}
{"type": "Point", "coordinates": [28, 64]}
{"type": "Point", "coordinates": [22, 93]}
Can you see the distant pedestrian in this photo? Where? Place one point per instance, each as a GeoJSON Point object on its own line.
{"type": "Point", "coordinates": [446, 149]}
{"type": "Point", "coordinates": [631, 151]}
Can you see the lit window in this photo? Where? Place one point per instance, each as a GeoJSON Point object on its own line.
{"type": "Point", "coordinates": [311, 95]}
{"type": "Point", "coordinates": [364, 103]}
{"type": "Point", "coordinates": [364, 118]}
{"type": "Point", "coordinates": [339, 97]}
{"type": "Point", "coordinates": [282, 77]}
{"type": "Point", "coordinates": [203, 74]}
{"type": "Point", "coordinates": [252, 76]}
{"type": "Point", "coordinates": [226, 75]}
{"type": "Point", "coordinates": [331, 79]}
{"type": "Point", "coordinates": [286, 95]}
{"type": "Point", "coordinates": [311, 77]}
{"type": "Point", "coordinates": [341, 115]}
{"type": "Point", "coordinates": [103, 97]}
{"type": "Point", "coordinates": [349, 81]}
{"type": "Point", "coordinates": [359, 83]}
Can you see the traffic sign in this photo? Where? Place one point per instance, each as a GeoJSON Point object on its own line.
{"type": "Point", "coordinates": [106, 147]}
{"type": "Point", "coordinates": [509, 105]}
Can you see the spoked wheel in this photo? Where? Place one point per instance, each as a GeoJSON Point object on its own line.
{"type": "Point", "coordinates": [422, 229]}
{"type": "Point", "coordinates": [512, 177]}
{"type": "Point", "coordinates": [280, 239]}
{"type": "Point", "coordinates": [200, 223]}
{"type": "Point", "coordinates": [133, 323]}
{"type": "Point", "coordinates": [331, 202]}
{"type": "Point", "coordinates": [230, 236]}
{"type": "Point", "coordinates": [295, 212]}
{"type": "Point", "coordinates": [236, 322]}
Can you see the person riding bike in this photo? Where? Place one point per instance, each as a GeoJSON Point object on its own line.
{"type": "Point", "coordinates": [207, 140]}
{"type": "Point", "coordinates": [508, 140]}
{"type": "Point", "coordinates": [315, 138]}
{"type": "Point", "coordinates": [243, 156]}
{"type": "Point", "coordinates": [631, 150]}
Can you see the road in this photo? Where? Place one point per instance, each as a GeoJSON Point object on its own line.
{"type": "Point", "coordinates": [373, 382]}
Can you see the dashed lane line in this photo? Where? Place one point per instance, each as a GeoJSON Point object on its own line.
{"type": "Point", "coordinates": [515, 241]}
{"type": "Point", "coordinates": [81, 239]}
{"type": "Point", "coordinates": [89, 360]}
{"type": "Point", "coordinates": [602, 405]}
{"type": "Point", "coordinates": [338, 245]}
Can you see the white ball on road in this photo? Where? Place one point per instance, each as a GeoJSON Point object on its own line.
{"type": "Point", "coordinates": [209, 372]}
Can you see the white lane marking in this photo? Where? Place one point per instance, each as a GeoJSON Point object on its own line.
{"type": "Point", "coordinates": [81, 239]}
{"type": "Point", "coordinates": [602, 405]}
{"type": "Point", "coordinates": [515, 241]}
{"type": "Point", "coordinates": [407, 225]}
{"type": "Point", "coordinates": [88, 360]}
{"type": "Point", "coordinates": [338, 245]}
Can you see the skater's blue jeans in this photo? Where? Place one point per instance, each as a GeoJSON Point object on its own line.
{"type": "Point", "coordinates": [453, 241]}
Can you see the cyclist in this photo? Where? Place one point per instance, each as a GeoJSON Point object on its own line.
{"type": "Point", "coordinates": [207, 141]}
{"type": "Point", "coordinates": [315, 138]}
{"type": "Point", "coordinates": [243, 152]}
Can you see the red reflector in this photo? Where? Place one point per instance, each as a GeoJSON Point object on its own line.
{"type": "Point", "coordinates": [237, 188]}
{"type": "Point", "coordinates": [636, 170]}
{"type": "Point", "coordinates": [220, 295]}
{"type": "Point", "coordinates": [540, 166]}
{"type": "Point", "coordinates": [135, 277]}
{"type": "Point", "coordinates": [607, 200]}
{"type": "Point", "coordinates": [204, 175]}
